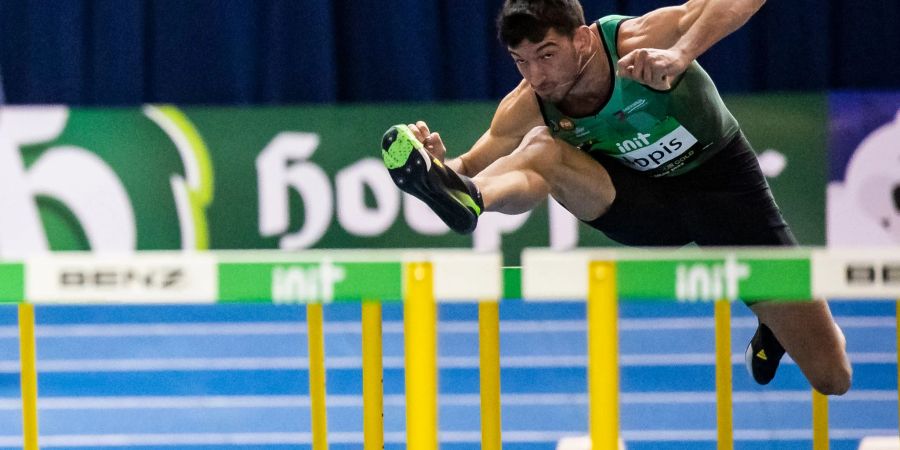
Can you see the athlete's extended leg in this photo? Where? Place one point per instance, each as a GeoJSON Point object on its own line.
{"type": "Point", "coordinates": [513, 184]}
{"type": "Point", "coordinates": [727, 202]}
{"type": "Point", "coordinates": [809, 334]}
{"type": "Point", "coordinates": [543, 165]}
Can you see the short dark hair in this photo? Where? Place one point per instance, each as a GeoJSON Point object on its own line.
{"type": "Point", "coordinates": [531, 19]}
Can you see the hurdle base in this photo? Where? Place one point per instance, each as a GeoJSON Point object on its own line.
{"type": "Point", "coordinates": [880, 443]}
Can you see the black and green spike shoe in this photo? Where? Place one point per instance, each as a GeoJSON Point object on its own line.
{"type": "Point", "coordinates": [453, 197]}
{"type": "Point", "coordinates": [763, 354]}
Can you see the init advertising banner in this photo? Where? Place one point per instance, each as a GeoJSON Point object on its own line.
{"type": "Point", "coordinates": [294, 178]}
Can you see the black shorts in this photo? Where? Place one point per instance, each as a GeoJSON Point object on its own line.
{"type": "Point", "coordinates": [726, 201]}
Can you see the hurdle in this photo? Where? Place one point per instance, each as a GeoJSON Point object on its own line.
{"type": "Point", "coordinates": [421, 278]}
{"type": "Point", "coordinates": [719, 276]}
{"type": "Point", "coordinates": [418, 278]}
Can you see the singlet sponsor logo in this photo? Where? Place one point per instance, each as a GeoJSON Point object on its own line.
{"type": "Point", "coordinates": [566, 124]}
{"type": "Point", "coordinates": [640, 153]}
{"type": "Point", "coordinates": [638, 104]}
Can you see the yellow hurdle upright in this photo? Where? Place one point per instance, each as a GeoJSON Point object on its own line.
{"type": "Point", "coordinates": [603, 356]}
{"type": "Point", "coordinates": [316, 342]}
{"type": "Point", "coordinates": [28, 376]}
{"type": "Point", "coordinates": [724, 409]}
{"type": "Point", "coordinates": [420, 349]}
{"type": "Point", "coordinates": [373, 377]}
{"type": "Point", "coordinates": [820, 421]}
{"type": "Point", "coordinates": [489, 352]}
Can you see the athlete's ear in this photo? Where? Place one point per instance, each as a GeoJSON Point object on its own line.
{"type": "Point", "coordinates": [582, 39]}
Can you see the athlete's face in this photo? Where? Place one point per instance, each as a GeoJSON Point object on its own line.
{"type": "Point", "coordinates": [550, 66]}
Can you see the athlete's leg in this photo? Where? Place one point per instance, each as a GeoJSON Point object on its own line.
{"type": "Point", "coordinates": [737, 209]}
{"type": "Point", "coordinates": [809, 334]}
{"type": "Point", "coordinates": [516, 183]}
{"type": "Point", "coordinates": [543, 165]}
{"type": "Point", "coordinates": [604, 194]}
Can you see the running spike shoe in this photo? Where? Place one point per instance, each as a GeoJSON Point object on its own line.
{"type": "Point", "coordinates": [763, 354]}
{"type": "Point", "coordinates": [454, 197]}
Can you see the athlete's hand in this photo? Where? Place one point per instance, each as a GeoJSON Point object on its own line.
{"type": "Point", "coordinates": [431, 141]}
{"type": "Point", "coordinates": [653, 67]}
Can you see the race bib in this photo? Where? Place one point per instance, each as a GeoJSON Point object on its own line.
{"type": "Point", "coordinates": [649, 151]}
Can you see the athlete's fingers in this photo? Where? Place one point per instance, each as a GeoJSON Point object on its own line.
{"type": "Point", "coordinates": [626, 60]}
{"type": "Point", "coordinates": [423, 127]}
{"type": "Point", "coordinates": [638, 63]}
{"type": "Point", "coordinates": [625, 64]}
{"type": "Point", "coordinates": [632, 74]}
{"type": "Point", "coordinates": [648, 73]}
{"type": "Point", "coordinates": [646, 66]}
{"type": "Point", "coordinates": [664, 73]}
{"type": "Point", "coordinates": [436, 141]}
{"type": "Point", "coordinates": [666, 83]}
{"type": "Point", "coordinates": [416, 132]}
{"type": "Point", "coordinates": [658, 75]}
{"type": "Point", "coordinates": [435, 145]}
{"type": "Point", "coordinates": [432, 139]}
{"type": "Point", "coordinates": [663, 84]}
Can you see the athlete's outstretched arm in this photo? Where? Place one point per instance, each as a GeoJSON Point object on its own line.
{"type": "Point", "coordinates": [658, 46]}
{"type": "Point", "coordinates": [517, 114]}
{"type": "Point", "coordinates": [706, 22]}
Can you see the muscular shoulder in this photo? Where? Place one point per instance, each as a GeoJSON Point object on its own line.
{"type": "Point", "coordinates": [659, 28]}
{"type": "Point", "coordinates": [517, 113]}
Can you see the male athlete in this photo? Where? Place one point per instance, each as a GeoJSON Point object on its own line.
{"type": "Point", "coordinates": [618, 122]}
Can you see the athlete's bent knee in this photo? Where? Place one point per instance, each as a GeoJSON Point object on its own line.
{"type": "Point", "coordinates": [539, 138]}
{"type": "Point", "coordinates": [538, 135]}
{"type": "Point", "coordinates": [540, 147]}
{"type": "Point", "coordinates": [836, 382]}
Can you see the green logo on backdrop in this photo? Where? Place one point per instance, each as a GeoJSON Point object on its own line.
{"type": "Point", "coordinates": [111, 180]}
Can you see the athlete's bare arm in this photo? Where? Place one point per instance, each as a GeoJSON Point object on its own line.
{"type": "Point", "coordinates": [516, 115]}
{"type": "Point", "coordinates": [658, 46]}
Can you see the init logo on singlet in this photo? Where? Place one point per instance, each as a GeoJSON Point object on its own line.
{"type": "Point", "coordinates": [646, 151]}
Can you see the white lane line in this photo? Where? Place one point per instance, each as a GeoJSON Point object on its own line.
{"type": "Point", "coordinates": [473, 437]}
{"type": "Point", "coordinates": [396, 327]}
{"type": "Point", "coordinates": [162, 364]}
{"type": "Point", "coordinates": [803, 396]}
{"type": "Point", "coordinates": [465, 400]}
{"type": "Point", "coordinates": [162, 329]}
{"type": "Point", "coordinates": [389, 362]}
{"type": "Point", "coordinates": [750, 435]}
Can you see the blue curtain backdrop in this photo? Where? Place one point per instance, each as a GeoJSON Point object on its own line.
{"type": "Point", "coordinates": [122, 52]}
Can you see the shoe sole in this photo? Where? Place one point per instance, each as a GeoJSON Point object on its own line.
{"type": "Point", "coordinates": [410, 168]}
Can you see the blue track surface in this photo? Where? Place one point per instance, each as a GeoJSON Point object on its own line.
{"type": "Point", "coordinates": [234, 377]}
